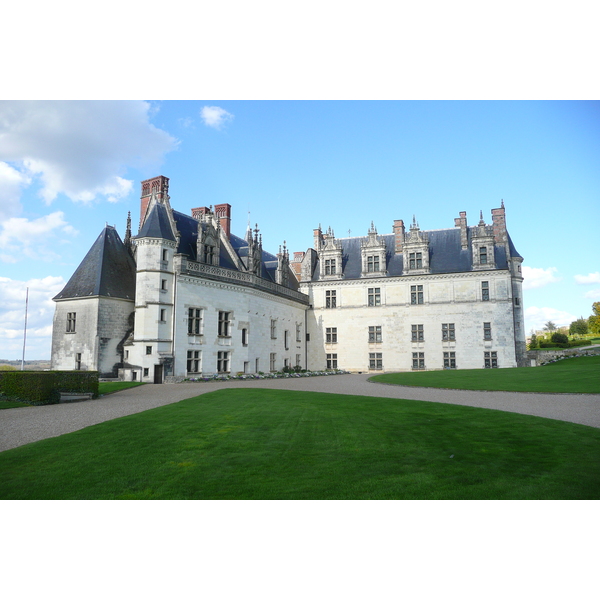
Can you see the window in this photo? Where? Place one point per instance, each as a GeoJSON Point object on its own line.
{"type": "Point", "coordinates": [244, 337]}
{"type": "Point", "coordinates": [222, 362]}
{"type": "Point", "coordinates": [449, 360]}
{"type": "Point", "coordinates": [146, 372]}
{"type": "Point", "coordinates": [485, 291]}
{"type": "Point", "coordinates": [163, 285]}
{"type": "Point", "coordinates": [148, 349]}
{"type": "Point", "coordinates": [331, 335]}
{"type": "Point", "coordinates": [134, 376]}
{"type": "Point", "coordinates": [126, 354]}
{"type": "Point", "coordinates": [418, 361]}
{"type": "Point", "coordinates": [487, 331]}
{"type": "Point", "coordinates": [372, 264]}
{"type": "Point", "coordinates": [448, 332]}
{"type": "Point", "coordinates": [490, 360]}
{"type": "Point", "coordinates": [332, 361]}
{"type": "Point", "coordinates": [78, 361]}
{"type": "Point", "coordinates": [223, 324]}
{"type": "Point", "coordinates": [272, 359]}
{"type": "Point", "coordinates": [415, 260]}
{"type": "Point", "coordinates": [416, 333]}
{"type": "Point", "coordinates": [165, 255]}
{"type": "Point", "coordinates": [194, 321]}
{"type": "Point", "coordinates": [330, 266]}
{"type": "Point", "coordinates": [208, 253]}
{"type": "Point", "coordinates": [374, 296]}
{"type": "Point", "coordinates": [297, 360]}
{"type": "Point", "coordinates": [374, 334]}
{"type": "Point", "coordinates": [416, 294]}
{"type": "Point", "coordinates": [298, 332]}
{"type": "Point", "coordinates": [193, 361]}
{"type": "Point", "coordinates": [517, 302]}
{"type": "Point", "coordinates": [163, 315]}
{"type": "Point", "coordinates": [286, 363]}
{"type": "Point", "coordinates": [483, 255]}
{"type": "Point", "coordinates": [71, 322]}
{"type": "Point", "coordinates": [273, 329]}
{"type": "Point", "coordinates": [330, 299]}
{"type": "Point", "coordinates": [257, 365]}
{"type": "Point", "coordinates": [286, 339]}
{"type": "Point", "coordinates": [246, 365]}
{"type": "Point", "coordinates": [375, 361]}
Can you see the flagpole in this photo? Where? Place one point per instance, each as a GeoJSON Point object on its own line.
{"type": "Point", "coordinates": [25, 330]}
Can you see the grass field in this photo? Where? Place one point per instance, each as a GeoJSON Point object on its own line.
{"type": "Point", "coordinates": [571, 376]}
{"type": "Point", "coordinates": [273, 444]}
{"type": "Point", "coordinates": [108, 387]}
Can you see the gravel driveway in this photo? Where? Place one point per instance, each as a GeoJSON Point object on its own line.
{"type": "Point", "coordinates": [21, 426]}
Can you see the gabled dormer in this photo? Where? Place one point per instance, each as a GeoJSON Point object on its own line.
{"type": "Point", "coordinates": [254, 251]}
{"type": "Point", "coordinates": [330, 256]}
{"type": "Point", "coordinates": [415, 251]}
{"type": "Point", "coordinates": [482, 243]}
{"type": "Point", "coordinates": [373, 254]}
{"type": "Point", "coordinates": [209, 238]}
{"type": "Point", "coordinates": [283, 266]}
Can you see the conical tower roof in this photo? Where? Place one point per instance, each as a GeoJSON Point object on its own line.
{"type": "Point", "coordinates": [157, 224]}
{"type": "Point", "coordinates": [108, 269]}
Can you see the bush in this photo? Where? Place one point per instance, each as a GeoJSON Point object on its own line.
{"type": "Point", "coordinates": [82, 382]}
{"type": "Point", "coordinates": [559, 338]}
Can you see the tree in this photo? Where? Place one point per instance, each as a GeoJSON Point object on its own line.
{"type": "Point", "coordinates": [579, 327]}
{"type": "Point", "coordinates": [594, 320]}
{"type": "Point", "coordinates": [550, 326]}
{"type": "Point", "coordinates": [533, 343]}
{"type": "Point", "coordinates": [559, 338]}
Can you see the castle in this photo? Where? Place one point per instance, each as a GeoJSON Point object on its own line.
{"type": "Point", "coordinates": [186, 297]}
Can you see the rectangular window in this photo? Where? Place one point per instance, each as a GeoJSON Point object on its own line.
{"type": "Point", "coordinates": [449, 360]}
{"type": "Point", "coordinates": [146, 372]}
{"type": "Point", "coordinates": [298, 332]}
{"type": "Point", "coordinates": [330, 266]}
{"type": "Point", "coordinates": [71, 317]}
{"type": "Point", "coordinates": [331, 335]}
{"type": "Point", "coordinates": [416, 332]}
{"type": "Point", "coordinates": [163, 314]}
{"type": "Point", "coordinates": [194, 321]}
{"type": "Point", "coordinates": [332, 361]}
{"type": "Point", "coordinates": [273, 329]}
{"type": "Point", "coordinates": [415, 260]}
{"type": "Point", "coordinates": [448, 334]}
{"type": "Point", "coordinates": [330, 301]}
{"type": "Point", "coordinates": [257, 365]}
{"type": "Point", "coordinates": [297, 360]}
{"type": "Point", "coordinates": [517, 302]}
{"type": "Point", "coordinates": [223, 324]}
{"type": "Point", "coordinates": [193, 361]}
{"type": "Point", "coordinates": [286, 363]}
{"type": "Point", "coordinates": [78, 361]}
{"type": "Point", "coordinates": [487, 331]}
{"type": "Point", "coordinates": [375, 361]}
{"type": "Point", "coordinates": [416, 294]}
{"type": "Point", "coordinates": [208, 254]}
{"type": "Point", "coordinates": [244, 337]}
{"type": "Point", "coordinates": [374, 296]}
{"type": "Point", "coordinates": [148, 349]}
{"type": "Point", "coordinates": [374, 334]}
{"type": "Point", "coordinates": [483, 255]}
{"type": "Point", "coordinates": [223, 362]}
{"type": "Point", "coordinates": [490, 360]}
{"type": "Point", "coordinates": [246, 365]}
{"type": "Point", "coordinates": [372, 264]}
{"type": "Point", "coordinates": [163, 285]}
{"type": "Point", "coordinates": [165, 255]}
{"type": "Point", "coordinates": [286, 339]}
{"type": "Point", "coordinates": [272, 359]}
{"type": "Point", "coordinates": [418, 361]}
{"type": "Point", "coordinates": [485, 291]}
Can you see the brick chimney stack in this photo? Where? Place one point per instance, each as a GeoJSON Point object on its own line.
{"type": "Point", "coordinates": [223, 213]}
{"type": "Point", "coordinates": [499, 224]}
{"type": "Point", "coordinates": [158, 185]}
{"type": "Point", "coordinates": [461, 222]}
{"type": "Point", "coordinates": [398, 235]}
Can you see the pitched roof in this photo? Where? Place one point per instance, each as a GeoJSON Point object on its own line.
{"type": "Point", "coordinates": [157, 224]}
{"type": "Point", "coordinates": [108, 269]}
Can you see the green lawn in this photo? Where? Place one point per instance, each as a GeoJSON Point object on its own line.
{"type": "Point", "coordinates": [108, 387]}
{"type": "Point", "coordinates": [273, 444]}
{"type": "Point", "coordinates": [574, 375]}
{"type": "Point", "coordinates": [12, 404]}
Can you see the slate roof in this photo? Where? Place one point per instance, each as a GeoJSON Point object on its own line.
{"type": "Point", "coordinates": [157, 224]}
{"type": "Point", "coordinates": [108, 269]}
{"type": "Point", "coordinates": [445, 254]}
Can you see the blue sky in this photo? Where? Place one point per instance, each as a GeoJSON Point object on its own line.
{"type": "Point", "coordinates": [67, 168]}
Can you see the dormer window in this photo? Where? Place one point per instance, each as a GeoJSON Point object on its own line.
{"type": "Point", "coordinates": [415, 260]}
{"type": "Point", "coordinates": [208, 254]}
{"type": "Point", "coordinates": [330, 267]}
{"type": "Point", "coordinates": [483, 255]}
{"type": "Point", "coordinates": [372, 264]}
{"type": "Point", "coordinates": [415, 251]}
{"type": "Point", "coordinates": [373, 253]}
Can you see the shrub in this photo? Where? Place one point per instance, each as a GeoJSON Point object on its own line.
{"type": "Point", "coordinates": [559, 338]}
{"type": "Point", "coordinates": [82, 382]}
{"type": "Point", "coordinates": [33, 386]}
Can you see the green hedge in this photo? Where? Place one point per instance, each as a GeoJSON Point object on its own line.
{"type": "Point", "coordinates": [44, 387]}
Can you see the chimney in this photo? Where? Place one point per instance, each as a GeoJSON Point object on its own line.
{"type": "Point", "coordinates": [158, 185]}
{"type": "Point", "coordinates": [499, 224]}
{"type": "Point", "coordinates": [318, 239]}
{"type": "Point", "coordinates": [296, 264]}
{"type": "Point", "coordinates": [223, 213]}
{"type": "Point", "coordinates": [198, 212]}
{"type": "Point", "coordinates": [461, 222]}
{"type": "Point", "coordinates": [398, 235]}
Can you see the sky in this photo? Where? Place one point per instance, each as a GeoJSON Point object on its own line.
{"type": "Point", "coordinates": [68, 168]}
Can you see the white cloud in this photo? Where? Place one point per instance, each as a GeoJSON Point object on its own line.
{"type": "Point", "coordinates": [592, 295]}
{"type": "Point", "coordinates": [24, 238]}
{"type": "Point", "coordinates": [214, 116]}
{"type": "Point", "coordinates": [536, 278]}
{"type": "Point", "coordinates": [11, 183]}
{"type": "Point", "coordinates": [536, 318]}
{"type": "Point", "coordinates": [586, 279]}
{"type": "Point", "coordinates": [40, 313]}
{"type": "Point", "coordinates": [80, 148]}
